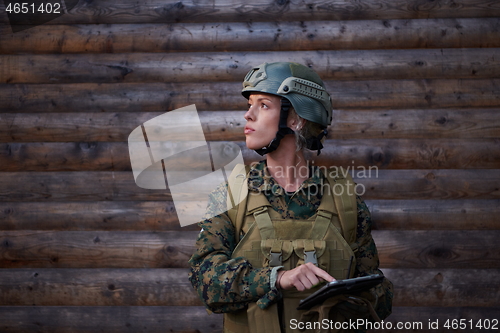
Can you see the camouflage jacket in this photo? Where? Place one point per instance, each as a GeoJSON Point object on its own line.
{"type": "Point", "coordinates": [227, 284]}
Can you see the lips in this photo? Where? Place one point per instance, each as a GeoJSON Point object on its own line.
{"type": "Point", "coordinates": [248, 130]}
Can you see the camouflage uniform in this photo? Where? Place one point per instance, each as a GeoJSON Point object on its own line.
{"type": "Point", "coordinates": [227, 284]}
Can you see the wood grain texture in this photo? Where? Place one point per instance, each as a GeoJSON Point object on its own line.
{"type": "Point", "coordinates": [96, 249]}
{"type": "Point", "coordinates": [217, 66]}
{"type": "Point", "coordinates": [452, 123]}
{"type": "Point", "coordinates": [377, 184]}
{"type": "Point", "coordinates": [373, 153]}
{"type": "Point", "coordinates": [444, 287]}
{"type": "Point", "coordinates": [99, 215]}
{"type": "Point", "coordinates": [437, 249]}
{"type": "Point", "coordinates": [109, 319]}
{"type": "Point", "coordinates": [428, 184]}
{"type": "Point", "coordinates": [157, 319]}
{"type": "Point", "coordinates": [220, 96]}
{"type": "Point", "coordinates": [135, 249]}
{"type": "Point", "coordinates": [410, 154]}
{"type": "Point", "coordinates": [128, 11]}
{"type": "Point", "coordinates": [434, 214]}
{"type": "Point", "coordinates": [97, 287]}
{"type": "Point", "coordinates": [416, 94]}
{"type": "Point", "coordinates": [161, 216]}
{"type": "Point", "coordinates": [440, 124]}
{"type": "Point", "coordinates": [171, 287]}
{"type": "Point", "coordinates": [109, 127]}
{"type": "Point", "coordinates": [300, 35]}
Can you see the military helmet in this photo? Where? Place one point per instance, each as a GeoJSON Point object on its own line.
{"type": "Point", "coordinates": [299, 84]}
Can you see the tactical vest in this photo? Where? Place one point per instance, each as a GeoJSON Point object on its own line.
{"type": "Point", "coordinates": [327, 239]}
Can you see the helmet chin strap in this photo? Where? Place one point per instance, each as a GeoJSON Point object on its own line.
{"type": "Point", "coordinates": [314, 143]}
{"type": "Point", "coordinates": [283, 129]}
{"type": "Point", "coordinates": [311, 143]}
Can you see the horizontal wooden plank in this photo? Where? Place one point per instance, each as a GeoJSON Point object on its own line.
{"type": "Point", "coordinates": [128, 11]}
{"type": "Point", "coordinates": [194, 319]}
{"type": "Point", "coordinates": [410, 154]}
{"type": "Point", "coordinates": [161, 216]}
{"type": "Point", "coordinates": [97, 287]}
{"type": "Point", "coordinates": [109, 319]}
{"type": "Point", "coordinates": [239, 36]}
{"type": "Point", "coordinates": [124, 97]}
{"type": "Point", "coordinates": [440, 249]}
{"type": "Point", "coordinates": [414, 124]}
{"type": "Point", "coordinates": [116, 127]}
{"type": "Point", "coordinates": [379, 153]}
{"type": "Point", "coordinates": [96, 249]}
{"type": "Point", "coordinates": [100, 215]}
{"type": "Point", "coordinates": [427, 184]}
{"type": "Point", "coordinates": [171, 287]}
{"type": "Point", "coordinates": [128, 97]}
{"type": "Point", "coordinates": [218, 66]}
{"type": "Point", "coordinates": [434, 214]}
{"type": "Point", "coordinates": [228, 125]}
{"type": "Point", "coordinates": [444, 287]}
{"type": "Point", "coordinates": [134, 249]}
{"type": "Point", "coordinates": [411, 94]}
{"type": "Point", "coordinates": [373, 183]}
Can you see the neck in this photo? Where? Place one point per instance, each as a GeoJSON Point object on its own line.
{"type": "Point", "coordinates": [288, 166]}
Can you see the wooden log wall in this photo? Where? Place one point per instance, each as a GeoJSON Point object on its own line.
{"type": "Point", "coordinates": [416, 91]}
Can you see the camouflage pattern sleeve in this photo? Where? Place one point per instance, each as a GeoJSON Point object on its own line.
{"type": "Point", "coordinates": [367, 261]}
{"type": "Point", "coordinates": [226, 284]}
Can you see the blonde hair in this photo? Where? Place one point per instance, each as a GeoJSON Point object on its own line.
{"type": "Point", "coordinates": [308, 131]}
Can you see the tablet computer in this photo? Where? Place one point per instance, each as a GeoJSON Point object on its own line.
{"type": "Point", "coordinates": [339, 287]}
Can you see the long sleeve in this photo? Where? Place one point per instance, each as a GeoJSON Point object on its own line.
{"type": "Point", "coordinates": [367, 261]}
{"type": "Point", "coordinates": [226, 284]}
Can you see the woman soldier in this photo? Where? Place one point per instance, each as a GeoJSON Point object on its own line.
{"type": "Point", "coordinates": [293, 231]}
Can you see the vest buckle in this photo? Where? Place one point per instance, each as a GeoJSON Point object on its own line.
{"type": "Point", "coordinates": [310, 256]}
{"type": "Point", "coordinates": [276, 259]}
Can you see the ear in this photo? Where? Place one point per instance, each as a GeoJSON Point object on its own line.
{"type": "Point", "coordinates": [295, 122]}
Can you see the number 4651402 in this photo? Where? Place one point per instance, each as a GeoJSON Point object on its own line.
{"type": "Point", "coordinates": [31, 8]}
{"type": "Point", "coordinates": [462, 324]}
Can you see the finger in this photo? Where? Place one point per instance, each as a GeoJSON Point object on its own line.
{"type": "Point", "coordinates": [321, 273]}
{"type": "Point", "coordinates": [305, 282]}
{"type": "Point", "coordinates": [310, 278]}
{"type": "Point", "coordinates": [300, 286]}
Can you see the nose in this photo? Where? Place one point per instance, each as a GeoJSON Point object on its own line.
{"type": "Point", "coordinates": [249, 114]}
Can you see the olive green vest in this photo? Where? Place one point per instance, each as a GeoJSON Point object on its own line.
{"type": "Point", "coordinates": [327, 239]}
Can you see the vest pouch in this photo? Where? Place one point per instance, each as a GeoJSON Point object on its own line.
{"type": "Point", "coordinates": [315, 248]}
{"type": "Point", "coordinates": [280, 248]}
{"type": "Point", "coordinates": [340, 264]}
{"type": "Point", "coordinates": [326, 311]}
{"type": "Point", "coordinates": [236, 322]}
{"type": "Point", "coordinates": [291, 316]}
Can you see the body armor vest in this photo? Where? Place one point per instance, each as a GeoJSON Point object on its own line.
{"type": "Point", "coordinates": [269, 241]}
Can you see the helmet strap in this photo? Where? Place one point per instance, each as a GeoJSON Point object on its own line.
{"type": "Point", "coordinates": [314, 143]}
{"type": "Point", "coordinates": [283, 129]}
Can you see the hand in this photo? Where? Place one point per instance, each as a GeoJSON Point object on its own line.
{"type": "Point", "coordinates": [302, 277]}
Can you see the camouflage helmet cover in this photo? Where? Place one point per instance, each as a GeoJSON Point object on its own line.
{"type": "Point", "coordinates": [299, 84]}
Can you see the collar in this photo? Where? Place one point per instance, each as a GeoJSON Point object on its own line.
{"type": "Point", "coordinates": [260, 180]}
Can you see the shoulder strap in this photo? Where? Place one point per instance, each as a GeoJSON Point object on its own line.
{"type": "Point", "coordinates": [237, 191]}
{"type": "Point", "coordinates": [343, 190]}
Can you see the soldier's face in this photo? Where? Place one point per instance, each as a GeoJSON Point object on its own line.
{"type": "Point", "coordinates": [262, 119]}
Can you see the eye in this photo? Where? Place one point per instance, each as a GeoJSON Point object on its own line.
{"type": "Point", "coordinates": [264, 106]}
